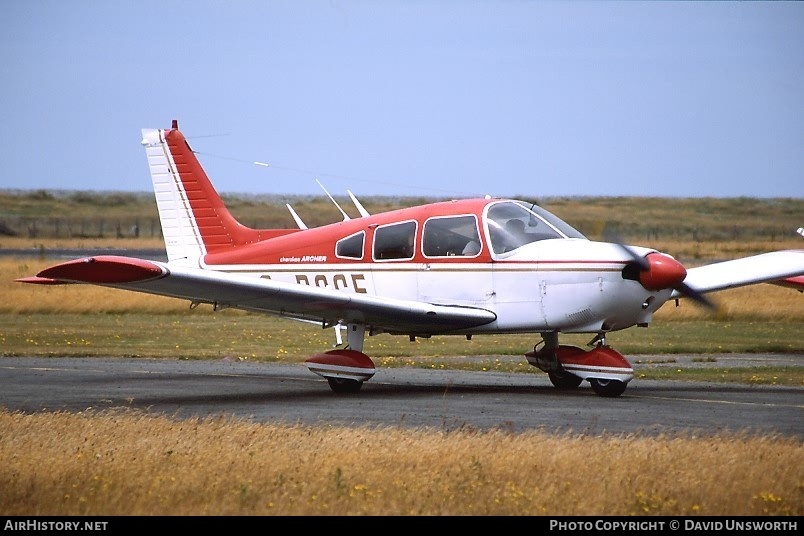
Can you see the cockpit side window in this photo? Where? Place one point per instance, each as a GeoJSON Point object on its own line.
{"type": "Point", "coordinates": [451, 236]}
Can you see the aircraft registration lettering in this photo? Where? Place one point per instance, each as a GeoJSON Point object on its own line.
{"type": "Point", "coordinates": [339, 281]}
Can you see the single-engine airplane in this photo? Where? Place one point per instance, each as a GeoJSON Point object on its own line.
{"type": "Point", "coordinates": [464, 267]}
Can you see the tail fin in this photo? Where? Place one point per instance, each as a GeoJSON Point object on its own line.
{"type": "Point", "coordinates": [194, 219]}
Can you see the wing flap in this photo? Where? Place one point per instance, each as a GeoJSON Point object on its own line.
{"type": "Point", "coordinates": [763, 268]}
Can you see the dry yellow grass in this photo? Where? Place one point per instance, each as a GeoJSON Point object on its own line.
{"type": "Point", "coordinates": [758, 302]}
{"type": "Point", "coordinates": [51, 243]}
{"type": "Point", "coordinates": [130, 463]}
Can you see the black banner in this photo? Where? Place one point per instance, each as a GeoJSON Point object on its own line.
{"type": "Point", "coordinates": [120, 524]}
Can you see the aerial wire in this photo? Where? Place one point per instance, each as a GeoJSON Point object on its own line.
{"type": "Point", "coordinates": [263, 164]}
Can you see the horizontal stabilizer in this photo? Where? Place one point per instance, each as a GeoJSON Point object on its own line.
{"type": "Point", "coordinates": [100, 270]}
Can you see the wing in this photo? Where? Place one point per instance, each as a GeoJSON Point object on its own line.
{"type": "Point", "coordinates": [301, 302]}
{"type": "Point", "coordinates": [764, 268]}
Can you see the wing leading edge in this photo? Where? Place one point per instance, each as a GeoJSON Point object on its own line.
{"type": "Point", "coordinates": [302, 302]}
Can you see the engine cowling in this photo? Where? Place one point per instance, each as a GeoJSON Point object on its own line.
{"type": "Point", "coordinates": [658, 271]}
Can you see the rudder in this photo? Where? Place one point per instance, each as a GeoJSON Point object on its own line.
{"type": "Point", "coordinates": [193, 216]}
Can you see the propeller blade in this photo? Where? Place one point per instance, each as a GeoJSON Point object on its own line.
{"type": "Point", "coordinates": [640, 261]}
{"type": "Point", "coordinates": [689, 292]}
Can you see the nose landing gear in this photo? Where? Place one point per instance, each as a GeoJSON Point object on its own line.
{"type": "Point", "coordinates": [606, 370]}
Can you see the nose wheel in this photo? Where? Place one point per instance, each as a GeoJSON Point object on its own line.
{"type": "Point", "coordinates": [607, 388]}
{"type": "Point", "coordinates": [606, 370]}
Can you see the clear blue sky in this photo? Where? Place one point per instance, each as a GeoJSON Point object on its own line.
{"type": "Point", "coordinates": [432, 98]}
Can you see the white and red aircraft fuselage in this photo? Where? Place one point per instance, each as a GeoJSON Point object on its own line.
{"type": "Point", "coordinates": [464, 267]}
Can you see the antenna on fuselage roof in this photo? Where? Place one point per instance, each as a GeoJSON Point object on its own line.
{"type": "Point", "coordinates": [345, 215]}
{"type": "Point", "coordinates": [296, 217]}
{"type": "Point", "coordinates": [363, 211]}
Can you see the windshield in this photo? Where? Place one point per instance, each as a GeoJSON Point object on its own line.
{"type": "Point", "coordinates": [512, 224]}
{"type": "Point", "coordinates": [560, 225]}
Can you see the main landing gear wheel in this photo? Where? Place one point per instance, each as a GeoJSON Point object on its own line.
{"type": "Point", "coordinates": [608, 388]}
{"type": "Point", "coordinates": [344, 385]}
{"type": "Point", "coordinates": [562, 379]}
{"type": "Point", "coordinates": [345, 370]}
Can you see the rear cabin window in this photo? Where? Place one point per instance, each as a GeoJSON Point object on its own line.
{"type": "Point", "coordinates": [451, 236]}
{"type": "Point", "coordinates": [395, 241]}
{"type": "Point", "coordinates": [351, 247]}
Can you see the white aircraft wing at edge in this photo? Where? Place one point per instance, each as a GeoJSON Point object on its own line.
{"type": "Point", "coordinates": [762, 268]}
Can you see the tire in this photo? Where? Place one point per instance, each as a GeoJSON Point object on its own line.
{"type": "Point", "coordinates": [344, 385]}
{"type": "Point", "coordinates": [562, 379]}
{"type": "Point", "coordinates": [608, 388]}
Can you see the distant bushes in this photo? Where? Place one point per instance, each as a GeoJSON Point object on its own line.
{"type": "Point", "coordinates": [640, 220]}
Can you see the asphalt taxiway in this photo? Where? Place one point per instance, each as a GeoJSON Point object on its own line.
{"type": "Point", "coordinates": [441, 399]}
